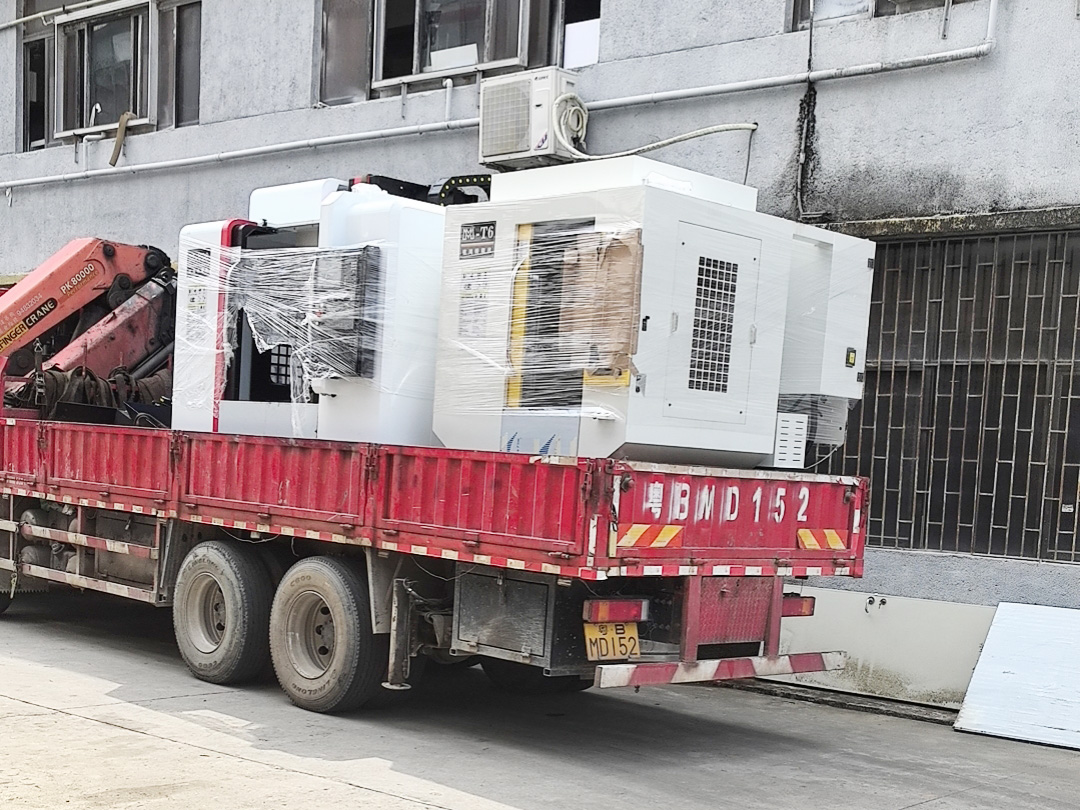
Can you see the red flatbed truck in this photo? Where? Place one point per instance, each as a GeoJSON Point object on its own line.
{"type": "Point", "coordinates": [349, 564]}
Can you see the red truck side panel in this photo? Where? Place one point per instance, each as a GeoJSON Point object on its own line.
{"type": "Point", "coordinates": [311, 485]}
{"type": "Point", "coordinates": [87, 461]}
{"type": "Point", "coordinates": [481, 499]}
{"type": "Point", "coordinates": [569, 517]}
{"type": "Point", "coordinates": [22, 458]}
{"type": "Point", "coordinates": [758, 518]}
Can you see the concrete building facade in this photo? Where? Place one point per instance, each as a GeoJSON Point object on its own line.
{"type": "Point", "coordinates": [943, 129]}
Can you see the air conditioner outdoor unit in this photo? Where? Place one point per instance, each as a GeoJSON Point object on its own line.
{"type": "Point", "coordinates": [517, 118]}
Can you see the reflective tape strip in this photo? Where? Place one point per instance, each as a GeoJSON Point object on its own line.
{"type": "Point", "coordinates": [822, 539]}
{"type": "Point", "coordinates": [835, 541]}
{"type": "Point", "coordinates": [808, 541]}
{"type": "Point", "coordinates": [648, 535]}
{"type": "Point", "coordinates": [612, 675]}
{"type": "Point", "coordinates": [631, 535]}
{"type": "Point", "coordinates": [666, 536]}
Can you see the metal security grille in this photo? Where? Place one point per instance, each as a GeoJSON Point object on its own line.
{"type": "Point", "coordinates": [970, 426]}
{"type": "Point", "coordinates": [714, 315]}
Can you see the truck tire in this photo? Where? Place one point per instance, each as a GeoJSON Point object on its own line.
{"type": "Point", "coordinates": [221, 612]}
{"type": "Point", "coordinates": [5, 602]}
{"type": "Point", "coordinates": [325, 655]}
{"type": "Point", "coordinates": [523, 679]}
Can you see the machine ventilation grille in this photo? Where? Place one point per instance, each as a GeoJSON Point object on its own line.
{"type": "Point", "coordinates": [506, 118]}
{"type": "Point", "coordinates": [714, 317]}
{"type": "Point", "coordinates": [791, 434]}
{"type": "Point", "coordinates": [280, 359]}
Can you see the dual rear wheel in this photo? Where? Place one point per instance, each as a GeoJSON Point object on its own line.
{"type": "Point", "coordinates": [221, 608]}
{"type": "Point", "coordinates": [325, 655]}
{"type": "Point", "coordinates": [316, 629]}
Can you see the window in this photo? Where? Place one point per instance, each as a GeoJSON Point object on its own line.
{"type": "Point", "coordinates": [887, 8]}
{"type": "Point", "coordinates": [105, 64]}
{"type": "Point", "coordinates": [581, 35]}
{"type": "Point", "coordinates": [83, 70]}
{"type": "Point", "coordinates": [39, 59]}
{"type": "Point", "coordinates": [830, 10]}
{"type": "Point", "coordinates": [417, 38]}
{"type": "Point", "coordinates": [418, 41]}
{"type": "Point", "coordinates": [346, 50]}
{"type": "Point", "coordinates": [838, 10]}
{"type": "Point", "coordinates": [180, 59]}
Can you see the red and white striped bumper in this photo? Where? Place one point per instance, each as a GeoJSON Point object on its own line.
{"type": "Point", "coordinates": [725, 669]}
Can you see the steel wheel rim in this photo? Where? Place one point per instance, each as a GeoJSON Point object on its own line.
{"type": "Point", "coordinates": [206, 614]}
{"type": "Point", "coordinates": [310, 638]}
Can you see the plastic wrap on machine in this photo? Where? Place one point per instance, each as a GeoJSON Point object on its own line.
{"type": "Point", "coordinates": [572, 318]}
{"type": "Point", "coordinates": [647, 323]}
{"type": "Point", "coordinates": [318, 312]}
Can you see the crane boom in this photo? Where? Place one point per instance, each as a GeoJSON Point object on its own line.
{"type": "Point", "coordinates": [69, 292]}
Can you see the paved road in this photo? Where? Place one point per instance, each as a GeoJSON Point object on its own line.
{"type": "Point", "coordinates": [98, 711]}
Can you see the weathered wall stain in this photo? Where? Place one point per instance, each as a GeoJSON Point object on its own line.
{"type": "Point", "coordinates": [865, 678]}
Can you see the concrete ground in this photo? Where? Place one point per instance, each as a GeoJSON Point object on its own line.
{"type": "Point", "coordinates": [97, 710]}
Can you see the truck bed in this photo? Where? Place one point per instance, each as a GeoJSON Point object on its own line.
{"type": "Point", "coordinates": [585, 518]}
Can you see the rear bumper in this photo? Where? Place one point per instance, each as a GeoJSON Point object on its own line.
{"type": "Point", "coordinates": [725, 669]}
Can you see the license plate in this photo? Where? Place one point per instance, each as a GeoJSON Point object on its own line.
{"type": "Point", "coordinates": [612, 641]}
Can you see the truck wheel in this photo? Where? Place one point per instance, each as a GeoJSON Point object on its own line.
{"type": "Point", "coordinates": [523, 679]}
{"type": "Point", "coordinates": [221, 612]}
{"type": "Point", "coordinates": [325, 656]}
{"type": "Point", "coordinates": [5, 602]}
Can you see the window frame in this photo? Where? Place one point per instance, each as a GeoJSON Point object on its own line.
{"type": "Point", "coordinates": [803, 25]}
{"type": "Point", "coordinates": [418, 75]}
{"type": "Point", "coordinates": [82, 19]}
{"type": "Point", "coordinates": [320, 77]}
{"type": "Point", "coordinates": [870, 14]}
{"type": "Point", "coordinates": [49, 125]}
{"type": "Point", "coordinates": [168, 12]}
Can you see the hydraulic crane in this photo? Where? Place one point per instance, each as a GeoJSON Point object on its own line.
{"type": "Point", "coordinates": [67, 294]}
{"type": "Point", "coordinates": [93, 324]}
